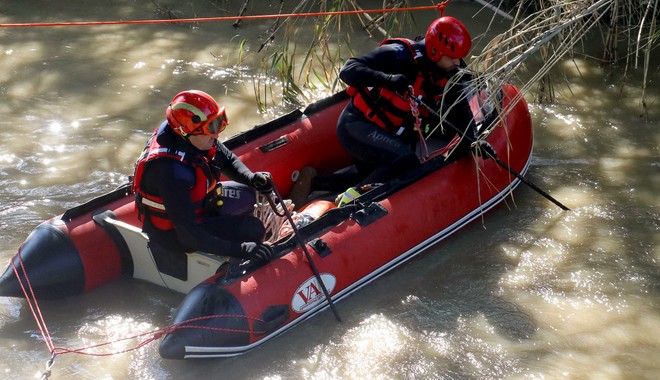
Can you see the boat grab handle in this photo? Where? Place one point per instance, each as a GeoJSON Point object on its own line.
{"type": "Point", "coordinates": [271, 146]}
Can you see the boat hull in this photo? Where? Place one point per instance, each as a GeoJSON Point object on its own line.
{"type": "Point", "coordinates": [352, 253]}
{"type": "Point", "coordinates": [244, 306]}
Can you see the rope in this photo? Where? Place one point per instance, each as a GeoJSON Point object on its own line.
{"type": "Point", "coordinates": [270, 218]}
{"type": "Point", "coordinates": [32, 301]}
{"type": "Point", "coordinates": [414, 110]}
{"type": "Point", "coordinates": [36, 312]}
{"type": "Point", "coordinates": [159, 333]}
{"type": "Point", "coordinates": [439, 7]}
{"type": "Point", "coordinates": [28, 293]}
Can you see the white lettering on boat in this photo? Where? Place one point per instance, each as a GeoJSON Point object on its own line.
{"type": "Point", "coordinates": [310, 293]}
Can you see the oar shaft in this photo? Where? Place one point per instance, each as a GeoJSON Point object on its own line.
{"type": "Point", "coordinates": [312, 265]}
{"type": "Point", "coordinates": [496, 159]}
{"type": "Point", "coordinates": [530, 184]}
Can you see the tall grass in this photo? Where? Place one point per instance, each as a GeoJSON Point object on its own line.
{"type": "Point", "coordinates": [542, 34]}
{"type": "Point", "coordinates": [305, 66]}
{"type": "Point", "coordinates": [551, 30]}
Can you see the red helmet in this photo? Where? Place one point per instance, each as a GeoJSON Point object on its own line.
{"type": "Point", "coordinates": [195, 112]}
{"type": "Point", "coordinates": [447, 36]}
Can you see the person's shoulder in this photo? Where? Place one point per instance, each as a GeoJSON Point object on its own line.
{"type": "Point", "coordinates": [222, 150]}
{"type": "Point", "coordinates": [169, 163]}
{"type": "Point", "coordinates": [396, 43]}
{"type": "Point", "coordinates": [402, 47]}
{"type": "Point", "coordinates": [220, 145]}
{"type": "Point", "coordinates": [175, 170]}
{"type": "Point", "coordinates": [165, 135]}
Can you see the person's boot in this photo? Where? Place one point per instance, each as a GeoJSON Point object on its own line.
{"type": "Point", "coordinates": [302, 187]}
{"type": "Point", "coordinates": [347, 196]}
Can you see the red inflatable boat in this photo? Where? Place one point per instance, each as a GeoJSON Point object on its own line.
{"type": "Point", "coordinates": [230, 309]}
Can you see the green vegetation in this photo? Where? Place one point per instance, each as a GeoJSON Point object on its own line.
{"type": "Point", "coordinates": [542, 33]}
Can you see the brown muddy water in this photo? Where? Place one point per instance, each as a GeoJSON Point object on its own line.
{"type": "Point", "coordinates": [530, 292]}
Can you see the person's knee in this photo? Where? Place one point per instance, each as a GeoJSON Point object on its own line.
{"type": "Point", "coordinates": [238, 198]}
{"type": "Point", "coordinates": [254, 229]}
{"type": "Point", "coordinates": [406, 162]}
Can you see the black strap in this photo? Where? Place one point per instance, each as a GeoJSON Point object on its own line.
{"type": "Point", "coordinates": [377, 110]}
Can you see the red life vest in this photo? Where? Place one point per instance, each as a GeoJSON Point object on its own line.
{"type": "Point", "coordinates": [152, 205]}
{"type": "Point", "coordinates": [384, 107]}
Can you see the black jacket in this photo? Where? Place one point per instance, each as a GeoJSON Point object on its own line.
{"type": "Point", "coordinates": [374, 69]}
{"type": "Point", "coordinates": [172, 181]}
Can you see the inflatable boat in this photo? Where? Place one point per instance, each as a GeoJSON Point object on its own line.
{"type": "Point", "coordinates": [230, 308]}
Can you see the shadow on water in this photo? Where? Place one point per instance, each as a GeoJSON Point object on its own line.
{"type": "Point", "coordinates": [80, 102]}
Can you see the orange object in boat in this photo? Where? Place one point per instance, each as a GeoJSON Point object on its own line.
{"type": "Point", "coordinates": [308, 213]}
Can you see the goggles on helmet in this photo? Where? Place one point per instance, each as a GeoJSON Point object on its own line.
{"type": "Point", "coordinates": [195, 112]}
{"type": "Point", "coordinates": [215, 126]}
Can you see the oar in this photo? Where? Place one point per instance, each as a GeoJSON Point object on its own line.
{"type": "Point", "coordinates": [304, 248]}
{"type": "Point", "coordinates": [495, 158]}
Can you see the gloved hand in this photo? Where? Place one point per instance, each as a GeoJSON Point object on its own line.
{"type": "Point", "coordinates": [263, 182]}
{"type": "Point", "coordinates": [256, 251]}
{"type": "Point", "coordinates": [484, 149]}
{"type": "Point", "coordinates": [398, 83]}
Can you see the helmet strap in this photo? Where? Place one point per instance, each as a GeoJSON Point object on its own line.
{"type": "Point", "coordinates": [183, 133]}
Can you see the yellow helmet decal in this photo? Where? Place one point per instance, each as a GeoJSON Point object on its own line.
{"type": "Point", "coordinates": [191, 108]}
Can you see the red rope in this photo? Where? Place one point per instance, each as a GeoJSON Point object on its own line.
{"type": "Point", "coordinates": [157, 334]}
{"type": "Point", "coordinates": [32, 302]}
{"type": "Point", "coordinates": [28, 293]}
{"type": "Point", "coordinates": [439, 7]}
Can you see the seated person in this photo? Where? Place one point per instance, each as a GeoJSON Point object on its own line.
{"type": "Point", "coordinates": [177, 187]}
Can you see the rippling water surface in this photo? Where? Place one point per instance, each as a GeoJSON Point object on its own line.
{"type": "Point", "coordinates": [528, 292]}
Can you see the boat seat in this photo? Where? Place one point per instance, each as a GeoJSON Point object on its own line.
{"type": "Point", "coordinates": [201, 265]}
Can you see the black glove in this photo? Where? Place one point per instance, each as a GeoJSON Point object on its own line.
{"type": "Point", "coordinates": [262, 182]}
{"type": "Point", "coordinates": [484, 149]}
{"type": "Point", "coordinates": [256, 252]}
{"type": "Point", "coordinates": [398, 83]}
